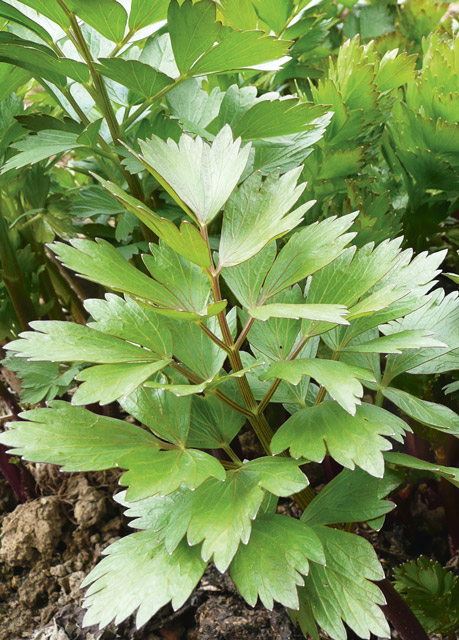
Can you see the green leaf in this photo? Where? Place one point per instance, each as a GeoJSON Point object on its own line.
{"type": "Point", "coordinates": [213, 423]}
{"type": "Point", "coordinates": [241, 50]}
{"type": "Point", "coordinates": [431, 592]}
{"type": "Point", "coordinates": [327, 312]}
{"type": "Point", "coordinates": [128, 320]}
{"type": "Point", "coordinates": [102, 263]}
{"type": "Point", "coordinates": [106, 383]}
{"type": "Point", "coordinates": [193, 29]}
{"type": "Point", "coordinates": [40, 60]}
{"type": "Point", "coordinates": [186, 280]}
{"type": "Point", "coordinates": [441, 316]}
{"type": "Point", "coordinates": [351, 440]}
{"type": "Point", "coordinates": [246, 280]}
{"type": "Point", "coordinates": [165, 414]}
{"type": "Point", "coordinates": [257, 212]}
{"type": "Point", "coordinates": [396, 342]}
{"type": "Point", "coordinates": [51, 10]}
{"type": "Point", "coordinates": [75, 438]}
{"type": "Point", "coordinates": [433, 415]}
{"type": "Point", "coordinates": [162, 472]}
{"type": "Point", "coordinates": [139, 574]}
{"type": "Point", "coordinates": [403, 460]}
{"type": "Point", "coordinates": [143, 13]}
{"type": "Point", "coordinates": [107, 17]}
{"type": "Point", "coordinates": [340, 379]}
{"type": "Point", "coordinates": [275, 14]}
{"type": "Point", "coordinates": [186, 241]}
{"type": "Point", "coordinates": [41, 146]}
{"type": "Point", "coordinates": [345, 579]}
{"type": "Point", "coordinates": [196, 350]}
{"type": "Point", "coordinates": [56, 341]}
{"type": "Point", "coordinates": [11, 13]}
{"type": "Point", "coordinates": [222, 515]}
{"type": "Point", "coordinates": [198, 176]}
{"type": "Point", "coordinates": [352, 496]}
{"type": "Point", "coordinates": [277, 117]}
{"type": "Point", "coordinates": [308, 251]}
{"type": "Point", "coordinates": [40, 380]}
{"type": "Point", "coordinates": [141, 78]}
{"type": "Point", "coordinates": [270, 566]}
{"type": "Point", "coordinates": [280, 476]}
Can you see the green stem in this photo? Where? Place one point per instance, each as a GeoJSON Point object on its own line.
{"type": "Point", "coordinates": [101, 96]}
{"type": "Point", "coordinates": [230, 453]}
{"type": "Point", "coordinates": [224, 398]}
{"type": "Point", "coordinates": [213, 337]}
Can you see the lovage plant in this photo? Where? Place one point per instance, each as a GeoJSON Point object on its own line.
{"type": "Point", "coordinates": [240, 319]}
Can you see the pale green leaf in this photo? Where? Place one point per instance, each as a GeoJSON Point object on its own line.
{"type": "Point", "coordinates": [166, 415]}
{"type": "Point", "coordinates": [280, 476]}
{"type": "Point", "coordinates": [308, 251]}
{"type": "Point", "coordinates": [396, 342]}
{"type": "Point", "coordinates": [57, 341]}
{"type": "Point", "coordinates": [441, 317]}
{"type": "Point", "coordinates": [270, 566]}
{"type": "Point", "coordinates": [257, 213]}
{"type": "Point", "coordinates": [334, 313]}
{"type": "Point", "coordinates": [200, 177]}
{"type": "Point", "coordinates": [222, 515]}
{"type": "Point", "coordinates": [351, 440]}
{"type": "Point", "coordinates": [144, 12]}
{"type": "Point", "coordinates": [162, 472]}
{"type": "Point", "coordinates": [11, 13]}
{"type": "Point", "coordinates": [346, 580]}
{"type": "Point", "coordinates": [128, 320]}
{"type": "Point", "coordinates": [340, 379]}
{"type": "Point", "coordinates": [213, 423]}
{"type": "Point", "coordinates": [106, 383]}
{"type": "Point", "coordinates": [246, 280]}
{"type": "Point", "coordinates": [139, 575]}
{"type": "Point", "coordinates": [52, 10]}
{"type": "Point", "coordinates": [75, 438]}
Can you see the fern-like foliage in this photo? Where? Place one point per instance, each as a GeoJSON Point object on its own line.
{"type": "Point", "coordinates": [432, 592]}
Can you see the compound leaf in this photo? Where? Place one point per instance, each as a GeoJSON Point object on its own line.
{"type": "Point", "coordinates": [106, 383]}
{"type": "Point", "coordinates": [75, 438]}
{"type": "Point", "coordinates": [340, 379]}
{"type": "Point", "coordinates": [200, 177]}
{"type": "Point", "coordinates": [306, 252]}
{"type": "Point", "coordinates": [140, 574]}
{"type": "Point", "coordinates": [351, 440]}
{"type": "Point", "coordinates": [341, 591]}
{"type": "Point", "coordinates": [257, 212]}
{"type": "Point", "coordinates": [162, 472]}
{"type": "Point", "coordinates": [270, 566]}
{"type": "Point", "coordinates": [57, 341]}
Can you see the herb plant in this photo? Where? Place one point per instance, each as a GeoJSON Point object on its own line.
{"type": "Point", "coordinates": [296, 334]}
{"type": "Point", "coordinates": [245, 216]}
